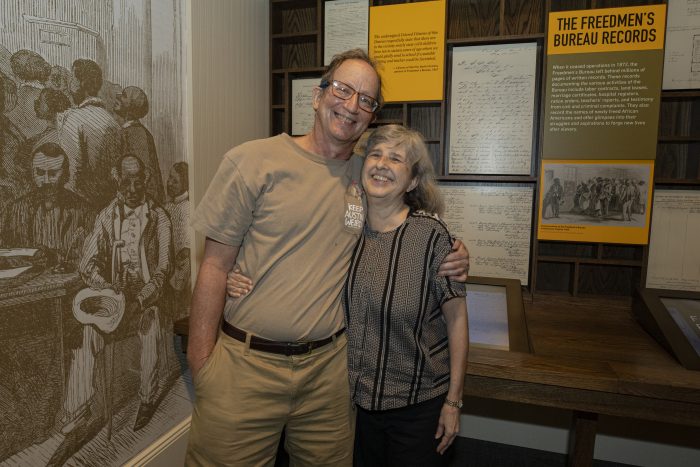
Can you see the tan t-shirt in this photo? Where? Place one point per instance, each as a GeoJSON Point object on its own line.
{"type": "Point", "coordinates": [294, 216]}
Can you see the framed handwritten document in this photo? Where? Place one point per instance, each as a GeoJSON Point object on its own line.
{"type": "Point", "coordinates": [302, 109]}
{"type": "Point", "coordinates": [346, 27]}
{"type": "Point", "coordinates": [674, 255]}
{"type": "Point", "coordinates": [495, 223]}
{"type": "Point", "coordinates": [492, 109]}
{"type": "Point", "coordinates": [682, 50]}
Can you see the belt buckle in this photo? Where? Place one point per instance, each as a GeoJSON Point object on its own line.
{"type": "Point", "coordinates": [300, 345]}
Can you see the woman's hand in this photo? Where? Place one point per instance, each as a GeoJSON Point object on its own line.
{"type": "Point", "coordinates": [238, 285]}
{"type": "Point", "coordinates": [448, 427]}
{"type": "Point", "coordinates": [456, 264]}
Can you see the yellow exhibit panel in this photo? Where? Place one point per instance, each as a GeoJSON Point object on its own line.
{"type": "Point", "coordinates": [408, 41]}
{"type": "Point", "coordinates": [607, 30]}
{"type": "Point", "coordinates": [603, 83]}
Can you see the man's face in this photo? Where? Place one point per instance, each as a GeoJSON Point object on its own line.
{"type": "Point", "coordinates": [41, 108]}
{"type": "Point", "coordinates": [343, 121]}
{"type": "Point", "coordinates": [132, 185]}
{"type": "Point", "coordinates": [121, 105]}
{"type": "Point", "coordinates": [76, 91]}
{"type": "Point", "coordinates": [175, 186]}
{"type": "Point", "coordinates": [57, 80]}
{"type": "Point", "coordinates": [47, 172]}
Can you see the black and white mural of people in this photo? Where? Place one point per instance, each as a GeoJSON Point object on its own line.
{"type": "Point", "coordinates": [178, 208]}
{"type": "Point", "coordinates": [94, 229]}
{"type": "Point", "coordinates": [595, 194]}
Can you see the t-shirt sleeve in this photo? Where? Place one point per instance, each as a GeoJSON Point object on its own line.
{"type": "Point", "coordinates": [227, 208]}
{"type": "Point", "coordinates": [444, 287]}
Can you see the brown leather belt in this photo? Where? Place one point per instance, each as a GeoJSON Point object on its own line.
{"type": "Point", "coordinates": [282, 348]}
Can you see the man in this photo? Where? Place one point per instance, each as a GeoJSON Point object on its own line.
{"type": "Point", "coordinates": [132, 105]}
{"type": "Point", "coordinates": [11, 143]}
{"type": "Point", "coordinates": [135, 234]}
{"type": "Point", "coordinates": [49, 216]}
{"type": "Point", "coordinates": [32, 71]}
{"type": "Point", "coordinates": [59, 79]}
{"type": "Point", "coordinates": [627, 198]}
{"type": "Point", "coordinates": [289, 211]}
{"type": "Point", "coordinates": [605, 197]}
{"type": "Point", "coordinates": [90, 135]}
{"type": "Point", "coordinates": [178, 208]}
{"type": "Point", "coordinates": [553, 198]}
{"type": "Point", "coordinates": [47, 106]}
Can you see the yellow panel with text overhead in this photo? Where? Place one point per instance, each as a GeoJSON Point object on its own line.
{"type": "Point", "coordinates": [408, 41]}
{"type": "Point", "coordinates": [607, 30]}
{"type": "Point", "coordinates": [603, 83]}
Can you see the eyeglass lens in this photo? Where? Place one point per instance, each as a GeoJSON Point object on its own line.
{"type": "Point", "coordinates": [346, 92]}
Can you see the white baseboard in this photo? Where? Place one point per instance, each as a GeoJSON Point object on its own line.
{"type": "Point", "coordinates": [167, 451]}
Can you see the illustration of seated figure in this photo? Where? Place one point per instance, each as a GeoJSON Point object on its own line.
{"type": "Point", "coordinates": [49, 216]}
{"type": "Point", "coordinates": [127, 259]}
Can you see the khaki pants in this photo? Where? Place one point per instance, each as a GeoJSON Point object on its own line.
{"type": "Point", "coordinates": [244, 399]}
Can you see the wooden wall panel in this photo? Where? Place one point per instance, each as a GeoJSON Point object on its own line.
{"type": "Point", "coordinates": [523, 17]}
{"type": "Point", "coordinates": [473, 18]}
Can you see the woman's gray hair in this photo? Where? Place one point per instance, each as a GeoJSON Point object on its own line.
{"type": "Point", "coordinates": [425, 196]}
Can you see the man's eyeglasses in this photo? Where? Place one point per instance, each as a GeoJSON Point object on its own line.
{"type": "Point", "coordinates": [345, 92]}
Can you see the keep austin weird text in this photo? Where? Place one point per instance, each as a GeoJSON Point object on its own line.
{"type": "Point", "coordinates": [354, 216]}
{"type": "Point", "coordinates": [592, 29]}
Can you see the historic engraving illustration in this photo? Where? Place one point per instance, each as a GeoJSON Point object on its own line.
{"type": "Point", "coordinates": [94, 236]}
{"type": "Point", "coordinates": [595, 194]}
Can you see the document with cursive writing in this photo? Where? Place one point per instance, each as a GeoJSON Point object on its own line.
{"type": "Point", "coordinates": [495, 223]}
{"type": "Point", "coordinates": [492, 102]}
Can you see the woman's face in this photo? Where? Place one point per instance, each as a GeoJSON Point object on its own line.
{"type": "Point", "coordinates": [386, 173]}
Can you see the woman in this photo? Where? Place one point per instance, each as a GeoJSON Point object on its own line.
{"type": "Point", "coordinates": [406, 326]}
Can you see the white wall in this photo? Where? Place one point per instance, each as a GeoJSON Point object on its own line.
{"type": "Point", "coordinates": [633, 442]}
{"type": "Point", "coordinates": [229, 90]}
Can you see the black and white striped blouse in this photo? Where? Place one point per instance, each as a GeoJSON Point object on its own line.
{"type": "Point", "coordinates": [397, 336]}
